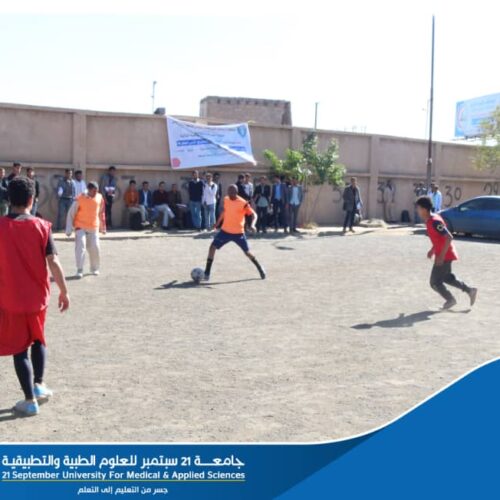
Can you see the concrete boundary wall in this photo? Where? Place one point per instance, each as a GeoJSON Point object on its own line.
{"type": "Point", "coordinates": [51, 139]}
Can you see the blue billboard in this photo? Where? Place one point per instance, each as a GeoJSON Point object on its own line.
{"type": "Point", "coordinates": [472, 112]}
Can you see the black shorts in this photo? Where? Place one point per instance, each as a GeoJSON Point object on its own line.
{"type": "Point", "coordinates": [222, 238]}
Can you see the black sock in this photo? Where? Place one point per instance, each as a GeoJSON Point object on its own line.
{"type": "Point", "coordinates": [256, 264]}
{"type": "Point", "coordinates": [208, 267]}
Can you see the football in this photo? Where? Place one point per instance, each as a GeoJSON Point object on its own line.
{"type": "Point", "coordinates": [197, 274]}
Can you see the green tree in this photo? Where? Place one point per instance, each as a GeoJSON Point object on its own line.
{"type": "Point", "coordinates": [488, 153]}
{"type": "Point", "coordinates": [310, 166]}
{"type": "Point", "coordinates": [292, 165]}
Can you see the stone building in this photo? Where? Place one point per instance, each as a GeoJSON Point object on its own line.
{"type": "Point", "coordinates": [245, 109]}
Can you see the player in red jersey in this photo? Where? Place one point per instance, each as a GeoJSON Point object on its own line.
{"type": "Point", "coordinates": [444, 253]}
{"type": "Point", "coordinates": [27, 251]}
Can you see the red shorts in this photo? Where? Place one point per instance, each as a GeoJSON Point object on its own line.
{"type": "Point", "coordinates": [20, 331]}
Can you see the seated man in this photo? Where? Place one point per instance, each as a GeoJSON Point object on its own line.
{"type": "Point", "coordinates": [179, 209]}
{"type": "Point", "coordinates": [146, 201]}
{"type": "Point", "coordinates": [131, 199]}
{"type": "Point", "coordinates": [160, 204]}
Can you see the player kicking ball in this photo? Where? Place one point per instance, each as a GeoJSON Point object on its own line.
{"type": "Point", "coordinates": [444, 254]}
{"type": "Point", "coordinates": [232, 219]}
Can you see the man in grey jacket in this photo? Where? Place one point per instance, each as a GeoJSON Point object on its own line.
{"type": "Point", "coordinates": [352, 204]}
{"type": "Point", "coordinates": [295, 198]}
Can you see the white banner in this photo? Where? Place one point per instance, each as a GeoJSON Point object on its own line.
{"type": "Point", "coordinates": [193, 145]}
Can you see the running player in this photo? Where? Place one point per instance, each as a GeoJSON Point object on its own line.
{"type": "Point", "coordinates": [26, 249]}
{"type": "Point", "coordinates": [232, 223]}
{"type": "Point", "coordinates": [444, 254]}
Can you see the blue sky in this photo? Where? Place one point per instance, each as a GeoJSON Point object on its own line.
{"type": "Point", "coordinates": [367, 63]}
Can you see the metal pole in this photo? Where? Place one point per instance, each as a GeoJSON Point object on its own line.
{"type": "Point", "coordinates": [153, 97]}
{"type": "Point", "coordinates": [316, 115]}
{"type": "Point", "coordinates": [431, 112]}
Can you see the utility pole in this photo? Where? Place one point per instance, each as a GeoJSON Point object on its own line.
{"type": "Point", "coordinates": [431, 112]}
{"type": "Point", "coordinates": [153, 97]}
{"type": "Point", "coordinates": [316, 115]}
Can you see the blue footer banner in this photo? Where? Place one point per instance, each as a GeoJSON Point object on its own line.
{"type": "Point", "coordinates": [446, 447]}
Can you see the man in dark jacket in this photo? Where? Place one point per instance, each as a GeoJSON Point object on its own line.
{"type": "Point", "coordinates": [30, 173]}
{"type": "Point", "coordinates": [219, 197]}
{"type": "Point", "coordinates": [279, 200]}
{"type": "Point", "coordinates": [352, 204]}
{"type": "Point", "coordinates": [195, 195]}
{"type": "Point", "coordinates": [4, 193]}
{"type": "Point", "coordinates": [262, 199]}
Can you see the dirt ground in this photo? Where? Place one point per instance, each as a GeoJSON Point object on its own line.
{"type": "Point", "coordinates": [344, 335]}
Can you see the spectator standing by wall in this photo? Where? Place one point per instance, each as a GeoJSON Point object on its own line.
{"type": "Point", "coordinates": [87, 218]}
{"type": "Point", "coordinates": [80, 185]}
{"type": "Point", "coordinates": [419, 192]}
{"type": "Point", "coordinates": [262, 200]}
{"type": "Point", "coordinates": [295, 196]}
{"type": "Point", "coordinates": [195, 188]}
{"type": "Point", "coordinates": [352, 204]}
{"type": "Point", "coordinates": [279, 200]}
{"type": "Point", "coordinates": [66, 194]}
{"type": "Point", "coordinates": [30, 173]}
{"type": "Point", "coordinates": [388, 197]}
{"type": "Point", "coordinates": [218, 204]}
{"type": "Point", "coordinates": [209, 201]}
{"type": "Point", "coordinates": [4, 193]}
{"type": "Point", "coordinates": [16, 171]}
{"type": "Point", "coordinates": [437, 198]}
{"type": "Point", "coordinates": [240, 184]}
{"type": "Point", "coordinates": [108, 191]}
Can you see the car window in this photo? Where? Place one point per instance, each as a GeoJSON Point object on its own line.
{"type": "Point", "coordinates": [492, 204]}
{"type": "Point", "coordinates": [477, 204]}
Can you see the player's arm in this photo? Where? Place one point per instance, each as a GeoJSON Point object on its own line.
{"type": "Point", "coordinates": [70, 218]}
{"type": "Point", "coordinates": [220, 219]}
{"type": "Point", "coordinates": [253, 214]}
{"type": "Point", "coordinates": [58, 275]}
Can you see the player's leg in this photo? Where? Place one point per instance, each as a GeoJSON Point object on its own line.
{"type": "Point", "coordinates": [256, 263]}
{"type": "Point", "coordinates": [242, 242]}
{"type": "Point", "coordinates": [452, 280]}
{"type": "Point", "coordinates": [38, 357]}
{"type": "Point", "coordinates": [80, 249]}
{"type": "Point", "coordinates": [24, 372]}
{"type": "Point", "coordinates": [437, 284]}
{"type": "Point", "coordinates": [94, 250]}
{"type": "Point", "coordinates": [210, 260]}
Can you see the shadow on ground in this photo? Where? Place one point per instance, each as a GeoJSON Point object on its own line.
{"type": "Point", "coordinates": [191, 284]}
{"type": "Point", "coordinates": [404, 320]}
{"type": "Point", "coordinates": [8, 414]}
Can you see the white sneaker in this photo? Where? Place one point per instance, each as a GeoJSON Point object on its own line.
{"type": "Point", "coordinates": [42, 392]}
{"type": "Point", "coordinates": [79, 273]}
{"type": "Point", "coordinates": [95, 273]}
{"type": "Point", "coordinates": [27, 408]}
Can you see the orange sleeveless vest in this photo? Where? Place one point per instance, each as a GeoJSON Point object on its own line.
{"type": "Point", "coordinates": [87, 216]}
